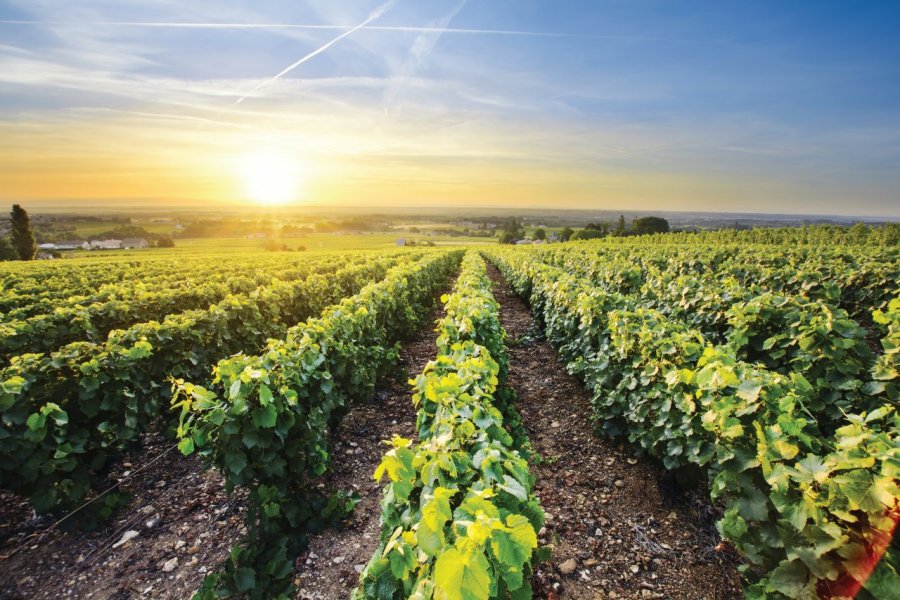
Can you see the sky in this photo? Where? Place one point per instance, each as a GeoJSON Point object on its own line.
{"type": "Point", "coordinates": [733, 106]}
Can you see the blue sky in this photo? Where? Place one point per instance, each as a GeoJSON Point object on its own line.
{"type": "Point", "coordinates": [732, 106]}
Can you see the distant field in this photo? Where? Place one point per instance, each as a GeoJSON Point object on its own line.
{"type": "Point", "coordinates": [89, 228]}
{"type": "Point", "coordinates": [315, 241]}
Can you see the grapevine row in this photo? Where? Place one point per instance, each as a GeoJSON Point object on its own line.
{"type": "Point", "coordinates": [266, 419]}
{"type": "Point", "coordinates": [856, 280]}
{"type": "Point", "coordinates": [810, 511]}
{"type": "Point", "coordinates": [787, 333]}
{"type": "Point", "coordinates": [82, 285]}
{"type": "Point", "coordinates": [459, 519]}
{"type": "Point", "coordinates": [67, 414]}
{"type": "Point", "coordinates": [133, 304]}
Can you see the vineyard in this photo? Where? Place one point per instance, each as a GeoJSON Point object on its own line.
{"type": "Point", "coordinates": [667, 416]}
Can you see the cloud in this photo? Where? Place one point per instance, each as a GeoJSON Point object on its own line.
{"type": "Point", "coordinates": [427, 39]}
{"type": "Point", "coordinates": [426, 29]}
{"type": "Point", "coordinates": [374, 15]}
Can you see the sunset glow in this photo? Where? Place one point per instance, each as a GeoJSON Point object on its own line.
{"type": "Point", "coordinates": [749, 107]}
{"type": "Point", "coordinates": [270, 178]}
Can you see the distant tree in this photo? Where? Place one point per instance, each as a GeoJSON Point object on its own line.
{"type": "Point", "coordinates": [620, 226]}
{"type": "Point", "coordinates": [650, 225]}
{"type": "Point", "coordinates": [273, 246]}
{"type": "Point", "coordinates": [540, 234]}
{"type": "Point", "coordinates": [566, 234]}
{"type": "Point", "coordinates": [604, 227]}
{"type": "Point", "coordinates": [587, 234]}
{"type": "Point", "coordinates": [165, 242]}
{"type": "Point", "coordinates": [513, 228]}
{"type": "Point", "coordinates": [326, 227]}
{"type": "Point", "coordinates": [122, 232]}
{"type": "Point", "coordinates": [507, 238]}
{"type": "Point", "coordinates": [7, 252]}
{"type": "Point", "coordinates": [22, 235]}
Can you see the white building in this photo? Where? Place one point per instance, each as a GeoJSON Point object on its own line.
{"type": "Point", "coordinates": [106, 244]}
{"type": "Point", "coordinates": [135, 243]}
{"type": "Point", "coordinates": [72, 245]}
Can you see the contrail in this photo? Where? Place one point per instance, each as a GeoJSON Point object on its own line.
{"type": "Point", "coordinates": [375, 14]}
{"type": "Point", "coordinates": [349, 29]}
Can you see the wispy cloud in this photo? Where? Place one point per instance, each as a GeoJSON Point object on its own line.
{"type": "Point", "coordinates": [374, 15]}
{"type": "Point", "coordinates": [421, 48]}
{"type": "Point", "coordinates": [435, 29]}
{"type": "Point", "coordinates": [429, 36]}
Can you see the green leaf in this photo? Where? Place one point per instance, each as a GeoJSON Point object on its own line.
{"type": "Point", "coordinates": [810, 469]}
{"type": "Point", "coordinates": [13, 385]}
{"type": "Point", "coordinates": [749, 391]}
{"type": "Point", "coordinates": [884, 581]}
{"type": "Point", "coordinates": [866, 491]}
{"type": "Point", "coordinates": [244, 579]}
{"type": "Point", "coordinates": [801, 383]}
{"type": "Point", "coordinates": [435, 513]}
{"type": "Point", "coordinates": [786, 450]}
{"type": "Point", "coordinates": [265, 394]}
{"type": "Point", "coordinates": [35, 421]}
{"type": "Point", "coordinates": [235, 462]}
{"type": "Point", "coordinates": [753, 505]}
{"type": "Point", "coordinates": [512, 486]}
{"type": "Point", "coordinates": [459, 576]}
{"type": "Point", "coordinates": [265, 417]}
{"type": "Point", "coordinates": [873, 388]}
{"type": "Point", "coordinates": [186, 446]}
{"type": "Point", "coordinates": [512, 547]}
{"type": "Point", "coordinates": [141, 349]}
{"type": "Point", "coordinates": [380, 583]}
{"type": "Point", "coordinates": [789, 578]}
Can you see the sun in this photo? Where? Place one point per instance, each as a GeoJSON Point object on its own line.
{"type": "Point", "coordinates": [270, 178]}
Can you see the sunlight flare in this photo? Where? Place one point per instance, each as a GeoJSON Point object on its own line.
{"type": "Point", "coordinates": [271, 178]}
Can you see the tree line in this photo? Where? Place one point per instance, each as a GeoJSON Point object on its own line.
{"type": "Point", "coordinates": [512, 230]}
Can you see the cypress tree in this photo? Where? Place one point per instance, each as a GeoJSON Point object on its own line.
{"type": "Point", "coordinates": [22, 235]}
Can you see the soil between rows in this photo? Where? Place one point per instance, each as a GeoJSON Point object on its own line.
{"type": "Point", "coordinates": [617, 526]}
{"type": "Point", "coordinates": [185, 525]}
{"type": "Point", "coordinates": [331, 566]}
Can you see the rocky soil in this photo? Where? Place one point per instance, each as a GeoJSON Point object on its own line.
{"type": "Point", "coordinates": [179, 525]}
{"type": "Point", "coordinates": [331, 567]}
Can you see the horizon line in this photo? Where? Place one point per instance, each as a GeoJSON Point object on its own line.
{"type": "Point", "coordinates": [232, 205]}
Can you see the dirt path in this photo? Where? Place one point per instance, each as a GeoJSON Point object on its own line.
{"type": "Point", "coordinates": [330, 569]}
{"type": "Point", "coordinates": [616, 530]}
